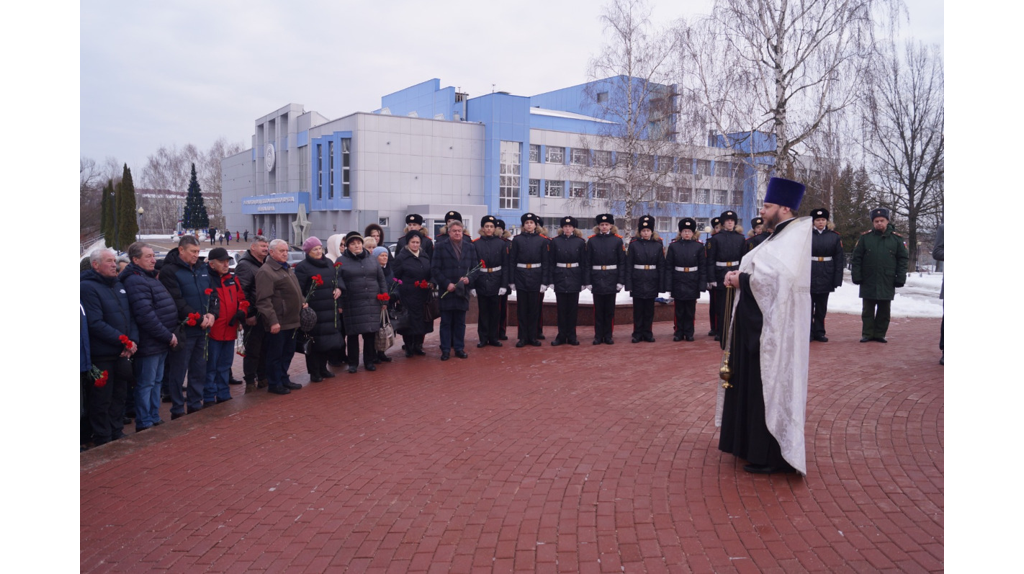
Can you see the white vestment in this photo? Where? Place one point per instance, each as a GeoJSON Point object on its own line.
{"type": "Point", "coordinates": [780, 279]}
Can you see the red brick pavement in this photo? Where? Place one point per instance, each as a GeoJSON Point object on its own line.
{"type": "Point", "coordinates": [568, 459]}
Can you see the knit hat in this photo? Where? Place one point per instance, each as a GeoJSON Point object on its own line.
{"type": "Point", "coordinates": [353, 236]}
{"type": "Point", "coordinates": [310, 243]}
{"type": "Point", "coordinates": [379, 250]}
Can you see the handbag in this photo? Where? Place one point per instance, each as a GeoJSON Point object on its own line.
{"type": "Point", "coordinates": [432, 308]}
{"type": "Point", "coordinates": [386, 334]}
{"type": "Point", "coordinates": [307, 319]}
{"type": "Point", "coordinates": [399, 317]}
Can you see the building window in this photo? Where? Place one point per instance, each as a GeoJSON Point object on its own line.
{"type": "Point", "coordinates": [578, 156]}
{"type": "Point", "coordinates": [703, 167]}
{"type": "Point", "coordinates": [602, 97]}
{"type": "Point", "coordinates": [600, 191]}
{"type": "Point", "coordinates": [685, 165]}
{"type": "Point", "coordinates": [578, 189]}
{"type": "Point", "coordinates": [646, 161]}
{"type": "Point", "coordinates": [508, 183]}
{"type": "Point", "coordinates": [703, 195]}
{"type": "Point", "coordinates": [719, 197]}
{"type": "Point", "coordinates": [736, 197]}
{"type": "Point", "coordinates": [535, 187]}
{"type": "Point", "coordinates": [346, 165]}
{"type": "Point", "coordinates": [702, 224]}
{"type": "Point", "coordinates": [534, 153]}
{"type": "Point", "coordinates": [665, 164]}
{"type": "Point", "coordinates": [383, 221]}
{"type": "Point", "coordinates": [556, 155]}
{"type": "Point", "coordinates": [330, 164]}
{"type": "Point", "coordinates": [664, 224]}
{"type": "Point", "coordinates": [723, 169]}
{"type": "Point", "coordinates": [319, 171]}
{"type": "Point", "coordinates": [304, 168]}
{"type": "Point", "coordinates": [554, 188]}
{"type": "Point", "coordinates": [684, 195]}
{"type": "Point", "coordinates": [603, 158]}
{"type": "Point", "coordinates": [663, 194]}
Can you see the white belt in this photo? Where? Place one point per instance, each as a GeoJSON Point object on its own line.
{"type": "Point", "coordinates": [604, 267]}
{"type": "Point", "coordinates": [821, 259]}
{"type": "Point", "coordinates": [727, 263]}
{"type": "Point", "coordinates": [490, 269]}
{"type": "Point", "coordinates": [645, 267]}
{"type": "Point", "coordinates": [686, 269]}
{"type": "Point", "coordinates": [528, 265]}
{"type": "Point", "coordinates": [567, 265]}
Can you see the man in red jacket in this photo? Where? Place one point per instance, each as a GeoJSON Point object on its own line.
{"type": "Point", "coordinates": [228, 304]}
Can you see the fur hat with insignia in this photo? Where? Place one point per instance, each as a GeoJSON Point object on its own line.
{"type": "Point", "coordinates": [756, 221]}
{"type": "Point", "coordinates": [452, 215]}
{"type": "Point", "coordinates": [879, 212]}
{"type": "Point", "coordinates": [529, 217]}
{"type": "Point", "coordinates": [489, 219]}
{"type": "Point", "coordinates": [605, 218]}
{"type": "Point", "coordinates": [818, 213]}
{"type": "Point", "coordinates": [687, 223]}
{"type": "Point", "coordinates": [568, 220]}
{"type": "Point", "coordinates": [727, 215]}
{"type": "Point", "coordinates": [645, 222]}
{"type": "Point", "coordinates": [500, 224]}
{"type": "Point", "coordinates": [716, 221]}
{"type": "Point", "coordinates": [414, 218]}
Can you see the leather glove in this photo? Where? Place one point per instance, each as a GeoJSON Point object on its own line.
{"type": "Point", "coordinates": [502, 291]}
{"type": "Point", "coordinates": [238, 318]}
{"type": "Point", "coordinates": [543, 288]}
{"type": "Point", "coordinates": [618, 287]}
{"type": "Point", "coordinates": [472, 292]}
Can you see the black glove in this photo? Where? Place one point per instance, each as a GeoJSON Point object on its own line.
{"type": "Point", "coordinates": [239, 317]}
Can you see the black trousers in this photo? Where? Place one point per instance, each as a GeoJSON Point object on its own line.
{"type": "Point", "coordinates": [643, 316]}
{"type": "Point", "coordinates": [106, 403]}
{"type": "Point", "coordinates": [718, 307]}
{"type": "Point", "coordinates": [528, 314]}
{"type": "Point", "coordinates": [685, 313]}
{"type": "Point", "coordinates": [568, 312]}
{"type": "Point", "coordinates": [316, 363]}
{"type": "Point", "coordinates": [369, 350]}
{"type": "Point", "coordinates": [487, 324]}
{"type": "Point", "coordinates": [254, 364]}
{"type": "Point", "coordinates": [712, 313]}
{"type": "Point", "coordinates": [604, 315]}
{"type": "Point", "coordinates": [819, 308]}
{"type": "Point", "coordinates": [503, 315]}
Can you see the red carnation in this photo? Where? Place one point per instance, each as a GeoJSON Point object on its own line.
{"type": "Point", "coordinates": [482, 264]}
{"type": "Point", "coordinates": [383, 297]}
{"type": "Point", "coordinates": [101, 381]}
{"type": "Point", "coordinates": [318, 280]}
{"type": "Point", "coordinates": [124, 339]}
{"type": "Point", "coordinates": [337, 264]}
{"type": "Point", "coordinates": [208, 291]}
{"type": "Point", "coordinates": [191, 322]}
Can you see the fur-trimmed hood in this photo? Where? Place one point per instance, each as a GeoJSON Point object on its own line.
{"type": "Point", "coordinates": [422, 231]}
{"type": "Point", "coordinates": [828, 226]}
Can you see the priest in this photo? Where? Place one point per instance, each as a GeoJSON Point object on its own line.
{"type": "Point", "coordinates": [762, 413]}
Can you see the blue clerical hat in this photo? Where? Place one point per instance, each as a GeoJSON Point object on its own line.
{"type": "Point", "coordinates": [784, 192]}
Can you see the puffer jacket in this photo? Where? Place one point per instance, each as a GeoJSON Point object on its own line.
{"type": "Point", "coordinates": [530, 249]}
{"type": "Point", "coordinates": [187, 285]}
{"type": "Point", "coordinates": [723, 247]}
{"type": "Point", "coordinates": [493, 251]}
{"type": "Point", "coordinates": [880, 263]}
{"type": "Point", "coordinates": [325, 332]}
{"type": "Point", "coordinates": [571, 252]}
{"type": "Point", "coordinates": [411, 269]}
{"type": "Point", "coordinates": [684, 269]}
{"type": "Point", "coordinates": [229, 297]}
{"type": "Point", "coordinates": [827, 261]}
{"type": "Point", "coordinates": [646, 253]}
{"type": "Point", "coordinates": [446, 268]}
{"type": "Point", "coordinates": [153, 308]}
{"type": "Point", "coordinates": [278, 296]}
{"type": "Point", "coordinates": [360, 279]}
{"type": "Point", "coordinates": [607, 251]}
{"type": "Point", "coordinates": [246, 270]}
{"type": "Point", "coordinates": [108, 314]}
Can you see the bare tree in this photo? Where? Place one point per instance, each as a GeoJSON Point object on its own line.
{"type": "Point", "coordinates": [780, 67]}
{"type": "Point", "coordinates": [170, 169]}
{"type": "Point", "coordinates": [905, 118]}
{"type": "Point", "coordinates": [90, 186]}
{"type": "Point", "coordinates": [630, 158]}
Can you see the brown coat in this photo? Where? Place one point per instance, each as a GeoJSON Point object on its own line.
{"type": "Point", "coordinates": [278, 296]}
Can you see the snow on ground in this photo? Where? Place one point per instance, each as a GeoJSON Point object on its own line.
{"type": "Point", "coordinates": [919, 298]}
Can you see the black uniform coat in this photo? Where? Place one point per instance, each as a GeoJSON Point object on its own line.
{"type": "Point", "coordinates": [530, 248]}
{"type": "Point", "coordinates": [446, 268]}
{"type": "Point", "coordinates": [724, 246]}
{"type": "Point", "coordinates": [425, 243]}
{"type": "Point", "coordinates": [325, 333]}
{"type": "Point", "coordinates": [360, 279]}
{"type": "Point", "coordinates": [605, 249]}
{"type": "Point", "coordinates": [410, 269]}
{"type": "Point", "coordinates": [493, 251]}
{"type": "Point", "coordinates": [568, 249]}
{"type": "Point", "coordinates": [645, 283]}
{"type": "Point", "coordinates": [826, 276]}
{"type": "Point", "coordinates": [756, 240]}
{"type": "Point", "coordinates": [684, 285]}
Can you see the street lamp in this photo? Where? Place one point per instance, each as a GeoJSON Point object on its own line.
{"type": "Point", "coordinates": [139, 224]}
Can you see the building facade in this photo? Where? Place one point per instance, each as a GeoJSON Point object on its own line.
{"type": "Point", "coordinates": [429, 149]}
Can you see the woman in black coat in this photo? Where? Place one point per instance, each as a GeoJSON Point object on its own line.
{"type": "Point", "coordinates": [361, 280]}
{"type": "Point", "coordinates": [325, 336]}
{"type": "Point", "coordinates": [645, 264]}
{"type": "Point", "coordinates": [412, 268]}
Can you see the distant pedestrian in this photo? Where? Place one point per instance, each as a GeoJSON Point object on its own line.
{"type": "Point", "coordinates": [246, 235]}
{"type": "Point", "coordinates": [879, 267]}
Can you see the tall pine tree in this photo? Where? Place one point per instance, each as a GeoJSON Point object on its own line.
{"type": "Point", "coordinates": [127, 219]}
{"type": "Point", "coordinates": [195, 216]}
{"type": "Point", "coordinates": [107, 213]}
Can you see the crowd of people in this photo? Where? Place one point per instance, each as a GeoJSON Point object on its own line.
{"type": "Point", "coordinates": [151, 325]}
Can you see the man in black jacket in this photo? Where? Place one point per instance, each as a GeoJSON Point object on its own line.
{"type": "Point", "coordinates": [567, 262]}
{"type": "Point", "coordinates": [605, 274]}
{"type": "Point", "coordinates": [826, 270]}
{"type": "Point", "coordinates": [757, 234]}
{"type": "Point", "coordinates": [530, 276]}
{"type": "Point", "coordinates": [254, 364]}
{"type": "Point", "coordinates": [725, 249]}
{"type": "Point", "coordinates": [684, 277]}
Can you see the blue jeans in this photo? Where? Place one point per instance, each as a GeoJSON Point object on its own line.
{"type": "Point", "coordinates": [188, 359]}
{"type": "Point", "coordinates": [148, 372]}
{"type": "Point", "coordinates": [218, 369]}
{"type": "Point", "coordinates": [280, 349]}
{"type": "Point", "coordinates": [453, 330]}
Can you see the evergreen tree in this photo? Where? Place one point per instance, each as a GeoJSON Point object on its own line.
{"type": "Point", "coordinates": [195, 216]}
{"type": "Point", "coordinates": [127, 219]}
{"type": "Point", "coordinates": [851, 201]}
{"type": "Point", "coordinates": [106, 212]}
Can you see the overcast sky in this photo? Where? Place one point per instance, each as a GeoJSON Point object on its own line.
{"type": "Point", "coordinates": [173, 73]}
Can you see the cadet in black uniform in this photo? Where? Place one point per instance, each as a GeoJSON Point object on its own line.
{"type": "Point", "coordinates": [526, 260]}
{"type": "Point", "coordinates": [567, 262]}
{"type": "Point", "coordinates": [684, 277]}
{"type": "Point", "coordinates": [605, 274]}
{"type": "Point", "coordinates": [503, 299]}
{"type": "Point", "coordinates": [827, 261]}
{"type": "Point", "coordinates": [491, 282]}
{"type": "Point", "coordinates": [716, 226]}
{"type": "Point", "coordinates": [414, 222]}
{"type": "Point", "coordinates": [645, 265]}
{"type": "Point", "coordinates": [724, 253]}
{"type": "Point", "coordinates": [757, 234]}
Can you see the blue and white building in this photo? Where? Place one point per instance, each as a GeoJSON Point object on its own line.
{"type": "Point", "coordinates": [430, 149]}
